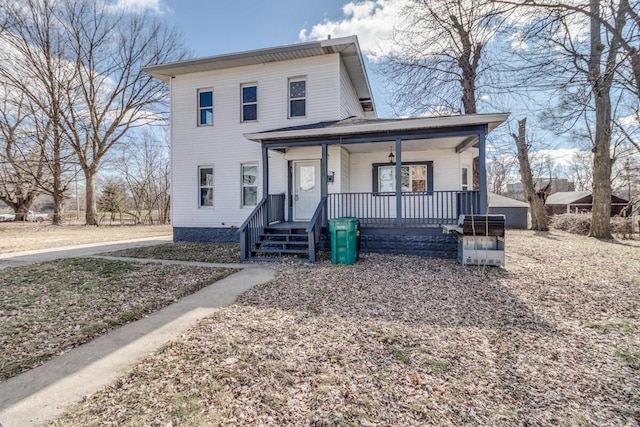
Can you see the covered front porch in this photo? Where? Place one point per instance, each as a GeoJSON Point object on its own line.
{"type": "Point", "coordinates": [403, 202]}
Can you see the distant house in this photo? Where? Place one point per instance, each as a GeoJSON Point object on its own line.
{"type": "Point", "coordinates": [269, 145]}
{"type": "Point", "coordinates": [579, 201]}
{"type": "Point", "coordinates": [516, 212]}
{"type": "Point", "coordinates": [516, 190]}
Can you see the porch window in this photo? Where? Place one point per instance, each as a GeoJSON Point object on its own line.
{"type": "Point", "coordinates": [205, 107]}
{"type": "Point", "coordinates": [249, 102]}
{"type": "Point", "coordinates": [249, 185]}
{"type": "Point", "coordinates": [416, 177]}
{"type": "Point", "coordinates": [465, 178]}
{"type": "Point", "coordinates": [297, 97]}
{"type": "Point", "coordinates": [205, 186]}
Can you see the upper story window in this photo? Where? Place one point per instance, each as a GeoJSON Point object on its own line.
{"type": "Point", "coordinates": [249, 102]}
{"type": "Point", "coordinates": [205, 186]}
{"type": "Point", "coordinates": [205, 107]}
{"type": "Point", "coordinates": [297, 97]}
{"type": "Point", "coordinates": [416, 177]}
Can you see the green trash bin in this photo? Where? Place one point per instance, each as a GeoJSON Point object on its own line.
{"type": "Point", "coordinates": [344, 240]}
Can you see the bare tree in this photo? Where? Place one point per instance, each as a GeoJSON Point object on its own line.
{"type": "Point", "coordinates": [21, 163]}
{"type": "Point", "coordinates": [30, 32]}
{"type": "Point", "coordinates": [535, 198]}
{"type": "Point", "coordinates": [109, 47]}
{"type": "Point", "coordinates": [440, 57]}
{"type": "Point", "coordinates": [145, 167]}
{"type": "Point", "coordinates": [499, 170]}
{"type": "Point", "coordinates": [584, 65]}
{"type": "Point", "coordinates": [580, 170]}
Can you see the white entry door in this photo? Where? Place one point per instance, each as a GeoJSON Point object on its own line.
{"type": "Point", "coordinates": [306, 189]}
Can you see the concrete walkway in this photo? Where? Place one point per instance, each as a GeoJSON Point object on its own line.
{"type": "Point", "coordinates": [44, 393]}
{"type": "Point", "coordinates": [41, 255]}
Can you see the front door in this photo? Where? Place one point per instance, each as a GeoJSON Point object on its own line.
{"type": "Point", "coordinates": [306, 189]}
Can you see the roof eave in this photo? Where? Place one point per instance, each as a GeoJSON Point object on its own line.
{"type": "Point", "coordinates": [491, 120]}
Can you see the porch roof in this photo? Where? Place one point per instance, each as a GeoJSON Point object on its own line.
{"type": "Point", "coordinates": [357, 129]}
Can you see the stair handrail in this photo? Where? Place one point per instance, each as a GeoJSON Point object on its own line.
{"type": "Point", "coordinates": [248, 237]}
{"type": "Point", "coordinates": [315, 227]}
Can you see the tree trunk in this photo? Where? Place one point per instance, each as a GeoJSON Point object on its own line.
{"type": "Point", "coordinates": [21, 211]}
{"type": "Point", "coordinates": [91, 215]}
{"type": "Point", "coordinates": [601, 87]}
{"type": "Point", "coordinates": [58, 197]}
{"type": "Point", "coordinates": [538, 212]}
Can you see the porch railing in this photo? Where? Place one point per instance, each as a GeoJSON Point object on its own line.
{"type": "Point", "coordinates": [314, 229]}
{"type": "Point", "coordinates": [269, 210]}
{"type": "Point", "coordinates": [424, 209]}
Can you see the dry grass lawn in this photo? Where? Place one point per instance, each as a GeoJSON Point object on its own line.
{"type": "Point", "coordinates": [47, 309]}
{"type": "Point", "coordinates": [552, 339]}
{"type": "Point", "coordinates": [18, 236]}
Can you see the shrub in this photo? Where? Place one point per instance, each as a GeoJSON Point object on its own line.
{"type": "Point", "coordinates": [581, 224]}
{"type": "Point", "coordinates": [572, 223]}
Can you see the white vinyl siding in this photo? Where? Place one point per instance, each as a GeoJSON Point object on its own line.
{"type": "Point", "coordinates": [349, 102]}
{"type": "Point", "coordinates": [224, 146]}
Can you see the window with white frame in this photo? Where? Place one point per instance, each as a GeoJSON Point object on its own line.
{"type": "Point", "coordinates": [205, 107]}
{"type": "Point", "coordinates": [416, 177]}
{"type": "Point", "coordinates": [249, 102]}
{"type": "Point", "coordinates": [249, 184]}
{"type": "Point", "coordinates": [464, 179]}
{"type": "Point", "coordinates": [297, 97]}
{"type": "Point", "coordinates": [205, 186]}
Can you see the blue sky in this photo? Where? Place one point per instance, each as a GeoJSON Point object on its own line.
{"type": "Point", "coordinates": [215, 27]}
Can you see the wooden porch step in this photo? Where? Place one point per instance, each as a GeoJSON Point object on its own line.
{"type": "Point", "coordinates": [281, 251]}
{"type": "Point", "coordinates": [284, 242]}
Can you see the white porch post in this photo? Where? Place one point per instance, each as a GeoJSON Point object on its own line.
{"type": "Point", "coordinates": [398, 182]}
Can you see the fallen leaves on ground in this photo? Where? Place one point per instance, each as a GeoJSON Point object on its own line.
{"type": "Point", "coordinates": [48, 308]}
{"type": "Point", "coordinates": [552, 339]}
{"type": "Point", "coordinates": [186, 251]}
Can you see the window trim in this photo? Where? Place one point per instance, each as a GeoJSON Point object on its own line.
{"type": "Point", "coordinates": [201, 108]}
{"type": "Point", "coordinates": [243, 186]}
{"type": "Point", "coordinates": [289, 99]}
{"type": "Point", "coordinates": [243, 104]}
{"type": "Point", "coordinates": [376, 166]}
{"type": "Point", "coordinates": [200, 187]}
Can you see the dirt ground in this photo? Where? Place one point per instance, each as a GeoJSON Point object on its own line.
{"type": "Point", "coordinates": [18, 236]}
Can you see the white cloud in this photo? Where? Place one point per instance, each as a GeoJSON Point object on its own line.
{"type": "Point", "coordinates": [371, 20]}
{"type": "Point", "coordinates": [140, 5]}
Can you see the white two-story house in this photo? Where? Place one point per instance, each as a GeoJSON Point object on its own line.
{"type": "Point", "coordinates": [269, 145]}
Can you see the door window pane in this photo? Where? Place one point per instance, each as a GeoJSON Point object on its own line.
{"type": "Point", "coordinates": [307, 178]}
